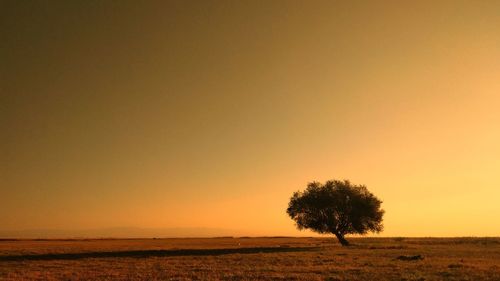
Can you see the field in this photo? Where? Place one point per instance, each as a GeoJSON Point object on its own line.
{"type": "Point", "coordinates": [251, 259]}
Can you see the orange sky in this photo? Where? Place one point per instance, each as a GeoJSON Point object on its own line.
{"type": "Point", "coordinates": [210, 114]}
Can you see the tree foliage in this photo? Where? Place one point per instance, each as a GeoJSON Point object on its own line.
{"type": "Point", "coordinates": [337, 207]}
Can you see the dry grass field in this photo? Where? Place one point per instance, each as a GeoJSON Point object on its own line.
{"type": "Point", "coordinates": [251, 259]}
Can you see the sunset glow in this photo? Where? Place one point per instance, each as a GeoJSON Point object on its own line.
{"type": "Point", "coordinates": [198, 114]}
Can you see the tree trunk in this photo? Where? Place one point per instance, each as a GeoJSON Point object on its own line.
{"type": "Point", "coordinates": [341, 239]}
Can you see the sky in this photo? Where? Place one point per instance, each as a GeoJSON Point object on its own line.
{"type": "Point", "coordinates": [210, 114]}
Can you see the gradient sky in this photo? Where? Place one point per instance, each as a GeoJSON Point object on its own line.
{"type": "Point", "coordinates": [212, 113]}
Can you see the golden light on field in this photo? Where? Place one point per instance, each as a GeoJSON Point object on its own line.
{"type": "Point", "coordinates": [210, 114]}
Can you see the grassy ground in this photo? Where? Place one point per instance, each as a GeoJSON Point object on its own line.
{"type": "Point", "coordinates": [251, 259]}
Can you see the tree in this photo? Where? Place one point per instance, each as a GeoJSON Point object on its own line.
{"type": "Point", "coordinates": [336, 207]}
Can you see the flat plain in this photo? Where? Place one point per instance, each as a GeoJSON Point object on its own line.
{"type": "Point", "coordinates": [271, 258]}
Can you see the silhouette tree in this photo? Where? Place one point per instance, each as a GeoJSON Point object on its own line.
{"type": "Point", "coordinates": [336, 207]}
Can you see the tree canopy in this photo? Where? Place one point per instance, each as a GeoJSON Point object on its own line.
{"type": "Point", "coordinates": [336, 207]}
